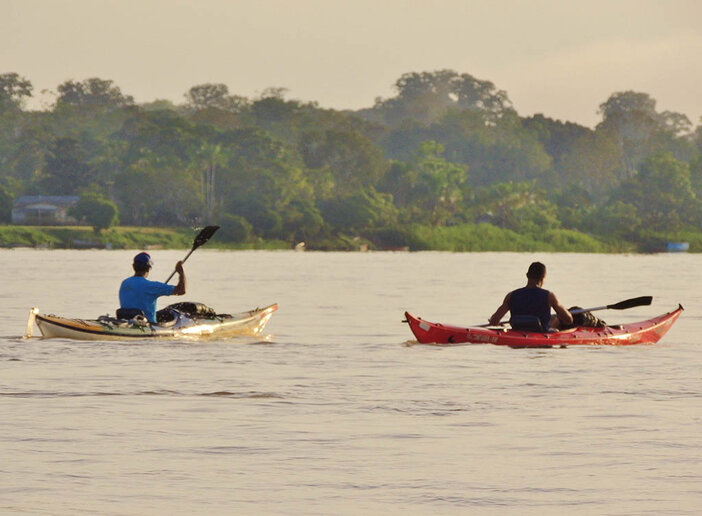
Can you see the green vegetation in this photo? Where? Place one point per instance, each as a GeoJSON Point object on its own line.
{"type": "Point", "coordinates": [83, 236]}
{"type": "Point", "coordinates": [446, 163]}
{"type": "Point", "coordinates": [123, 237]}
{"type": "Point", "coordinates": [96, 210]}
{"type": "Point", "coordinates": [486, 237]}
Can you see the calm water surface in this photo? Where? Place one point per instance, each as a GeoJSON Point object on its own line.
{"type": "Point", "coordinates": [335, 411]}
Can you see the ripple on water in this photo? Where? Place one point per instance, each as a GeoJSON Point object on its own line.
{"type": "Point", "coordinates": [217, 394]}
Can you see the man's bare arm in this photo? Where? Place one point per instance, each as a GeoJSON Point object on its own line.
{"type": "Point", "coordinates": [179, 289]}
{"type": "Point", "coordinates": [501, 312]}
{"type": "Point", "coordinates": [564, 316]}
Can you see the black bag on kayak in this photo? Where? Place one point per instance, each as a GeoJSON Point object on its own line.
{"type": "Point", "coordinates": [586, 319]}
{"type": "Point", "coordinates": [193, 309]}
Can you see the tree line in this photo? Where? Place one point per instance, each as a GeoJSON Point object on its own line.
{"type": "Point", "coordinates": [446, 150]}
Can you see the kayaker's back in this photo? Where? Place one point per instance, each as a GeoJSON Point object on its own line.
{"type": "Point", "coordinates": [531, 301]}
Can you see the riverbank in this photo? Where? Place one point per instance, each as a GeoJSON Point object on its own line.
{"type": "Point", "coordinates": [123, 237]}
{"type": "Point", "coordinates": [459, 238]}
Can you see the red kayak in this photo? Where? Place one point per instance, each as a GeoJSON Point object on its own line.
{"type": "Point", "coordinates": [643, 332]}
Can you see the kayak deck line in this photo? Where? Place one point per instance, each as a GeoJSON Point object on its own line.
{"type": "Point", "coordinates": [643, 332]}
{"type": "Point", "coordinates": [80, 325]}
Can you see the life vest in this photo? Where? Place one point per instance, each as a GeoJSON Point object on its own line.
{"type": "Point", "coordinates": [531, 301]}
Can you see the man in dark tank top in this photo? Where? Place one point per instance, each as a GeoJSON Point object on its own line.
{"type": "Point", "coordinates": [534, 301]}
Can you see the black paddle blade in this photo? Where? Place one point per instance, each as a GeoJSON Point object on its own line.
{"type": "Point", "coordinates": [631, 303]}
{"type": "Point", "coordinates": [204, 236]}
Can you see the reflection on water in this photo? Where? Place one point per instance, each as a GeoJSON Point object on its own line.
{"type": "Point", "coordinates": [337, 411]}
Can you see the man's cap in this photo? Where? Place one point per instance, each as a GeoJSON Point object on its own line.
{"type": "Point", "coordinates": [143, 260]}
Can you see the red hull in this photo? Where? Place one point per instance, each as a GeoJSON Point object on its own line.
{"type": "Point", "coordinates": [643, 332]}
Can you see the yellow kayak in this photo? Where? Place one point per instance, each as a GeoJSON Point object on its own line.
{"type": "Point", "coordinates": [175, 321]}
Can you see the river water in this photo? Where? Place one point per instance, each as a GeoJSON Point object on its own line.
{"type": "Point", "coordinates": [335, 411]}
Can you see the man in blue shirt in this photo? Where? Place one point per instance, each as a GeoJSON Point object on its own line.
{"type": "Point", "coordinates": [136, 292]}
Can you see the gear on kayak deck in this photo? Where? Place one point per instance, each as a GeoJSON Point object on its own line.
{"type": "Point", "coordinates": [193, 309]}
{"type": "Point", "coordinates": [586, 319]}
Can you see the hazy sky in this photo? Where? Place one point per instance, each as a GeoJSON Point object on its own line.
{"type": "Point", "coordinates": [558, 57]}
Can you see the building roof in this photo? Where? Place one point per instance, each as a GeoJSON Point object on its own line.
{"type": "Point", "coordinates": [56, 200]}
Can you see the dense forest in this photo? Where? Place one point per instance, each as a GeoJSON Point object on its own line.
{"type": "Point", "coordinates": [445, 163]}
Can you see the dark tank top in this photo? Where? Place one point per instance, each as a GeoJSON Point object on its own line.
{"type": "Point", "coordinates": [531, 301]}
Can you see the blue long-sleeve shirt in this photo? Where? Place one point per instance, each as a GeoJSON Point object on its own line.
{"type": "Point", "coordinates": [138, 292]}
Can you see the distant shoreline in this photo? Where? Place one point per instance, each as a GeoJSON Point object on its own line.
{"type": "Point", "coordinates": [120, 237]}
{"type": "Point", "coordinates": [465, 238]}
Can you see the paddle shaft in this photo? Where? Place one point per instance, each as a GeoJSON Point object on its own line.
{"type": "Point", "coordinates": [622, 305]}
{"type": "Point", "coordinates": [202, 237]}
{"type": "Point", "coordinates": [186, 257]}
{"type": "Point", "coordinates": [583, 310]}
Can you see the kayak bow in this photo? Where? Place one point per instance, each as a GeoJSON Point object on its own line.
{"type": "Point", "coordinates": [643, 332]}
